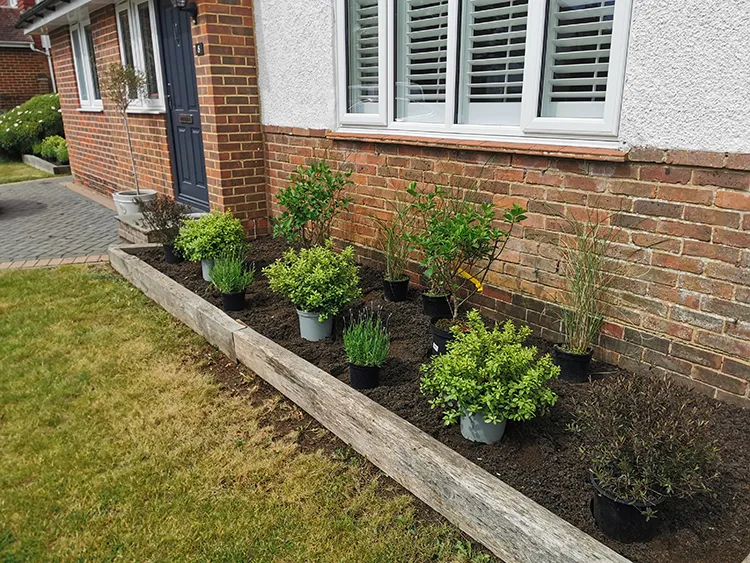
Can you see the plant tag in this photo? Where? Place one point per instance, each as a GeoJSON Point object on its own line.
{"type": "Point", "coordinates": [435, 347]}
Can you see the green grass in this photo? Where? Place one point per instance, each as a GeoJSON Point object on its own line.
{"type": "Point", "coordinates": [116, 444]}
{"type": "Point", "coordinates": [11, 171]}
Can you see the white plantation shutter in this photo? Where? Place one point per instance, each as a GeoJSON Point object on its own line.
{"type": "Point", "coordinates": [579, 37]}
{"type": "Point", "coordinates": [493, 47]}
{"type": "Point", "coordinates": [363, 72]}
{"type": "Point", "coordinates": [422, 60]}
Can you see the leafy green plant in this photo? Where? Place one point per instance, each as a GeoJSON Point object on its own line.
{"type": "Point", "coordinates": [457, 240]}
{"type": "Point", "coordinates": [209, 236]}
{"type": "Point", "coordinates": [317, 280]}
{"type": "Point", "coordinates": [26, 125]}
{"type": "Point", "coordinates": [311, 202]}
{"type": "Point", "coordinates": [646, 440]}
{"type": "Point", "coordinates": [366, 340]}
{"type": "Point", "coordinates": [164, 217]}
{"type": "Point", "coordinates": [489, 372]}
{"type": "Point", "coordinates": [53, 148]}
{"type": "Point", "coordinates": [393, 239]}
{"type": "Point", "coordinates": [230, 274]}
{"type": "Point", "coordinates": [122, 85]}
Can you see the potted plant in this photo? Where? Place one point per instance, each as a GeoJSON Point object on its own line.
{"type": "Point", "coordinates": [458, 244]}
{"type": "Point", "coordinates": [231, 276]}
{"type": "Point", "coordinates": [311, 202]}
{"type": "Point", "coordinates": [319, 281]}
{"type": "Point", "coordinates": [645, 441]}
{"type": "Point", "coordinates": [163, 216]}
{"type": "Point", "coordinates": [366, 342]}
{"type": "Point", "coordinates": [206, 238]}
{"type": "Point", "coordinates": [122, 85]}
{"type": "Point", "coordinates": [488, 377]}
{"type": "Point", "coordinates": [393, 239]}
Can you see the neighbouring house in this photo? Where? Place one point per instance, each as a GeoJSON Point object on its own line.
{"type": "Point", "coordinates": [24, 65]}
{"type": "Point", "coordinates": [634, 106]}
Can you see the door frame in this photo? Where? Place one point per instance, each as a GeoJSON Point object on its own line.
{"type": "Point", "coordinates": [202, 205]}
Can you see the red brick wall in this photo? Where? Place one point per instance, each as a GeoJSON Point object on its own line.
{"type": "Point", "coordinates": [685, 310]}
{"type": "Point", "coordinates": [98, 147]}
{"type": "Point", "coordinates": [23, 74]}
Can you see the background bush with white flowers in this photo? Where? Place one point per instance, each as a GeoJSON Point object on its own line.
{"type": "Point", "coordinates": [26, 125]}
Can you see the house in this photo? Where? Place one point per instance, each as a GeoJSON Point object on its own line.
{"type": "Point", "coordinates": [24, 65]}
{"type": "Point", "coordinates": [638, 107]}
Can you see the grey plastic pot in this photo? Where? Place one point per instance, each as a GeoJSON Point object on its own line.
{"type": "Point", "coordinates": [474, 428]}
{"type": "Point", "coordinates": [206, 267]}
{"type": "Point", "coordinates": [310, 328]}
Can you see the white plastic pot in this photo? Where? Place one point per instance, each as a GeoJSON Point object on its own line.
{"type": "Point", "coordinates": [310, 328]}
{"type": "Point", "coordinates": [206, 267]}
{"type": "Point", "coordinates": [126, 202]}
{"type": "Point", "coordinates": [474, 428]}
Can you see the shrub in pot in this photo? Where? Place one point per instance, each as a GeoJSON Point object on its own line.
{"type": "Point", "coordinates": [163, 216]}
{"type": "Point", "coordinates": [393, 240]}
{"type": "Point", "coordinates": [208, 237]}
{"type": "Point", "coordinates": [366, 343]}
{"type": "Point", "coordinates": [231, 276]}
{"type": "Point", "coordinates": [319, 281]}
{"type": "Point", "coordinates": [488, 377]}
{"type": "Point", "coordinates": [645, 441]}
{"type": "Point", "coordinates": [310, 204]}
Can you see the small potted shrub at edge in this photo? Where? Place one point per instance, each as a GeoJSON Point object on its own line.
{"type": "Point", "coordinates": [231, 276]}
{"type": "Point", "coordinates": [319, 281]}
{"type": "Point", "coordinates": [488, 377]}
{"type": "Point", "coordinates": [645, 441]}
{"type": "Point", "coordinates": [164, 217]}
{"type": "Point", "coordinates": [205, 239]}
{"type": "Point", "coordinates": [366, 343]}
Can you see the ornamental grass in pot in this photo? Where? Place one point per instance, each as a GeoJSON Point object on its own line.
{"type": "Point", "coordinates": [488, 377]}
{"type": "Point", "coordinates": [645, 441]}
{"type": "Point", "coordinates": [208, 237]}
{"type": "Point", "coordinates": [231, 276]}
{"type": "Point", "coordinates": [319, 281]}
{"type": "Point", "coordinates": [163, 216]}
{"type": "Point", "coordinates": [393, 240]}
{"type": "Point", "coordinates": [366, 342]}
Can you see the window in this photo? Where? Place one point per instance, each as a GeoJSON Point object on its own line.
{"type": "Point", "coordinates": [136, 26]}
{"type": "Point", "coordinates": [513, 68]}
{"type": "Point", "coordinates": [84, 62]}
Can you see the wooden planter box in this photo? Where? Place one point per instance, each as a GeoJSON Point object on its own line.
{"type": "Point", "coordinates": [44, 166]}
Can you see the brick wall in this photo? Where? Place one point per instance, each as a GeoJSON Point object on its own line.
{"type": "Point", "coordinates": [684, 310]}
{"type": "Point", "coordinates": [23, 74]}
{"type": "Point", "coordinates": [98, 147]}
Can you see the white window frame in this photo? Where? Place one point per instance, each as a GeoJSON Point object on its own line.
{"type": "Point", "coordinates": [531, 127]}
{"type": "Point", "coordinates": [91, 103]}
{"type": "Point", "coordinates": [143, 104]}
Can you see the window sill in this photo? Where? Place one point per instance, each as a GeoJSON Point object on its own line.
{"type": "Point", "coordinates": [534, 149]}
{"type": "Point", "coordinates": [90, 109]}
{"type": "Point", "coordinates": [146, 111]}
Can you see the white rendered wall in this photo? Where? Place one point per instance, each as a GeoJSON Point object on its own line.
{"type": "Point", "coordinates": [687, 83]}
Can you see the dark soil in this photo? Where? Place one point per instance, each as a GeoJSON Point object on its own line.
{"type": "Point", "coordinates": [539, 458]}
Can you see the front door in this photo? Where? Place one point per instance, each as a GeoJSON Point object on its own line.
{"type": "Point", "coordinates": [188, 162]}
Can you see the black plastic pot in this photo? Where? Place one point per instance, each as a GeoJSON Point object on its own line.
{"type": "Point", "coordinates": [170, 255]}
{"type": "Point", "coordinates": [620, 520]}
{"type": "Point", "coordinates": [233, 301]}
{"type": "Point", "coordinates": [440, 338]}
{"type": "Point", "coordinates": [363, 377]}
{"type": "Point", "coordinates": [395, 290]}
{"type": "Point", "coordinates": [437, 306]}
{"type": "Point", "coordinates": [573, 367]}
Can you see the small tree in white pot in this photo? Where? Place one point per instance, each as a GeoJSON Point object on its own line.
{"type": "Point", "coordinates": [122, 85]}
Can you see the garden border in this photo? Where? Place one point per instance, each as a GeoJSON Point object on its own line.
{"type": "Point", "coordinates": [515, 528]}
{"type": "Point", "coordinates": [45, 166]}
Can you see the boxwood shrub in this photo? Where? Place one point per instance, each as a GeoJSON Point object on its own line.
{"type": "Point", "coordinates": [26, 125]}
{"type": "Point", "coordinates": [210, 236]}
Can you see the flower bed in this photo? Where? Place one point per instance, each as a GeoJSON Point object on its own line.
{"type": "Point", "coordinates": [539, 458]}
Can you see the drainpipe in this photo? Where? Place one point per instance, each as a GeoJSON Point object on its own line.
{"type": "Point", "coordinates": [46, 52]}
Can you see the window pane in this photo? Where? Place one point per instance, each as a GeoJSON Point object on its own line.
{"type": "Point", "coordinates": [493, 45]}
{"type": "Point", "coordinates": [579, 34]}
{"type": "Point", "coordinates": [83, 90]}
{"type": "Point", "coordinates": [92, 61]}
{"type": "Point", "coordinates": [421, 57]}
{"type": "Point", "coordinates": [127, 43]}
{"type": "Point", "coordinates": [144, 18]}
{"type": "Point", "coordinates": [362, 56]}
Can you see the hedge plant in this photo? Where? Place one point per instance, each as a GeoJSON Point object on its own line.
{"type": "Point", "coordinates": [53, 149]}
{"type": "Point", "coordinates": [26, 125]}
{"type": "Point", "coordinates": [317, 280]}
{"type": "Point", "coordinates": [209, 236]}
{"type": "Point", "coordinates": [489, 372]}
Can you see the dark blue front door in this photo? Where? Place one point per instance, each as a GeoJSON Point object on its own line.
{"type": "Point", "coordinates": [189, 164]}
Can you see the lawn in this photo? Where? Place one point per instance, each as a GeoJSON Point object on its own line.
{"type": "Point", "coordinates": [11, 171]}
{"type": "Point", "coordinates": [117, 443]}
